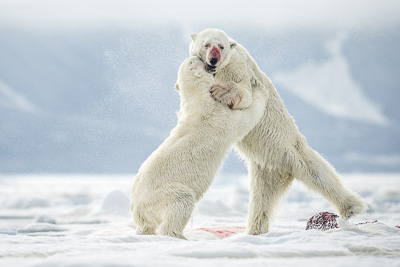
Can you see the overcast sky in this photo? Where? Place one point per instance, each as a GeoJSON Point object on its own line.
{"type": "Point", "coordinates": [328, 15]}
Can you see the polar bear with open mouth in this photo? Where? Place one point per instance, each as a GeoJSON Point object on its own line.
{"type": "Point", "coordinates": [180, 170]}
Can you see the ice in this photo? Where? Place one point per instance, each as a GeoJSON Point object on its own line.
{"type": "Point", "coordinates": [40, 227]}
{"type": "Point", "coordinates": [85, 221]}
{"type": "Point", "coordinates": [116, 202]}
{"type": "Point", "coordinates": [45, 218]}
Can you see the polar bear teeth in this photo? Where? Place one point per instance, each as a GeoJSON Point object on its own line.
{"type": "Point", "coordinates": [210, 69]}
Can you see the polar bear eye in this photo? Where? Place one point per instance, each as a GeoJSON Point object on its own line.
{"type": "Point", "coordinates": [207, 45]}
{"type": "Point", "coordinates": [221, 47]}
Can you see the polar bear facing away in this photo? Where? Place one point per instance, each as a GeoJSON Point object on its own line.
{"type": "Point", "coordinates": [180, 170]}
{"type": "Point", "coordinates": [275, 150]}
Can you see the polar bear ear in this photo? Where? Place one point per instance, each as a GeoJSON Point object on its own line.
{"type": "Point", "coordinates": [193, 36]}
{"type": "Point", "coordinates": [176, 87]}
{"type": "Point", "coordinates": [233, 45]}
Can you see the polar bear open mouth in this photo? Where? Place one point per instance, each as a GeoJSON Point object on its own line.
{"type": "Point", "coordinates": [210, 69]}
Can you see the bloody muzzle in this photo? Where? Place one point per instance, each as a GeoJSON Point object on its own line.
{"type": "Point", "coordinates": [214, 56]}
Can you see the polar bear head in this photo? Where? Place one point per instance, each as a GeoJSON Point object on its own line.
{"type": "Point", "coordinates": [192, 73]}
{"type": "Point", "coordinates": [213, 47]}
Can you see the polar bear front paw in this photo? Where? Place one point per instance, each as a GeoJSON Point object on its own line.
{"type": "Point", "coordinates": [226, 95]}
{"type": "Point", "coordinates": [197, 68]}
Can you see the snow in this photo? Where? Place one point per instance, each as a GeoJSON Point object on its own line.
{"type": "Point", "coordinates": [84, 220]}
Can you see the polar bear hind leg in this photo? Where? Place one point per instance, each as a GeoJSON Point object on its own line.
{"type": "Point", "coordinates": [267, 186]}
{"type": "Point", "coordinates": [319, 176]}
{"type": "Point", "coordinates": [146, 230]}
{"type": "Point", "coordinates": [178, 213]}
{"type": "Point", "coordinates": [145, 224]}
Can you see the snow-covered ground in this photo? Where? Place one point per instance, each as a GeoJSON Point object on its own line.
{"type": "Point", "coordinates": [81, 220]}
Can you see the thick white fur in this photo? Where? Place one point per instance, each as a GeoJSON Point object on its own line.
{"type": "Point", "coordinates": [180, 170]}
{"type": "Point", "coordinates": [275, 150]}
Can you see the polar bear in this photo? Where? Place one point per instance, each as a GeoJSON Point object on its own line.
{"type": "Point", "coordinates": [275, 151]}
{"type": "Point", "coordinates": [180, 170]}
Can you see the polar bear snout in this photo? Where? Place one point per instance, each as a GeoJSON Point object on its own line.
{"type": "Point", "coordinates": [213, 57]}
{"type": "Point", "coordinates": [213, 61]}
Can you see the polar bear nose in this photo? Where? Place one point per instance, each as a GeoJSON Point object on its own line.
{"type": "Point", "coordinates": [213, 60]}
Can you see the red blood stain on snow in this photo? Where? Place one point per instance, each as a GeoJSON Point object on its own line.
{"type": "Point", "coordinates": [222, 232]}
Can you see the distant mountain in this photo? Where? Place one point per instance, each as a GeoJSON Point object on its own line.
{"type": "Point", "coordinates": [102, 101]}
